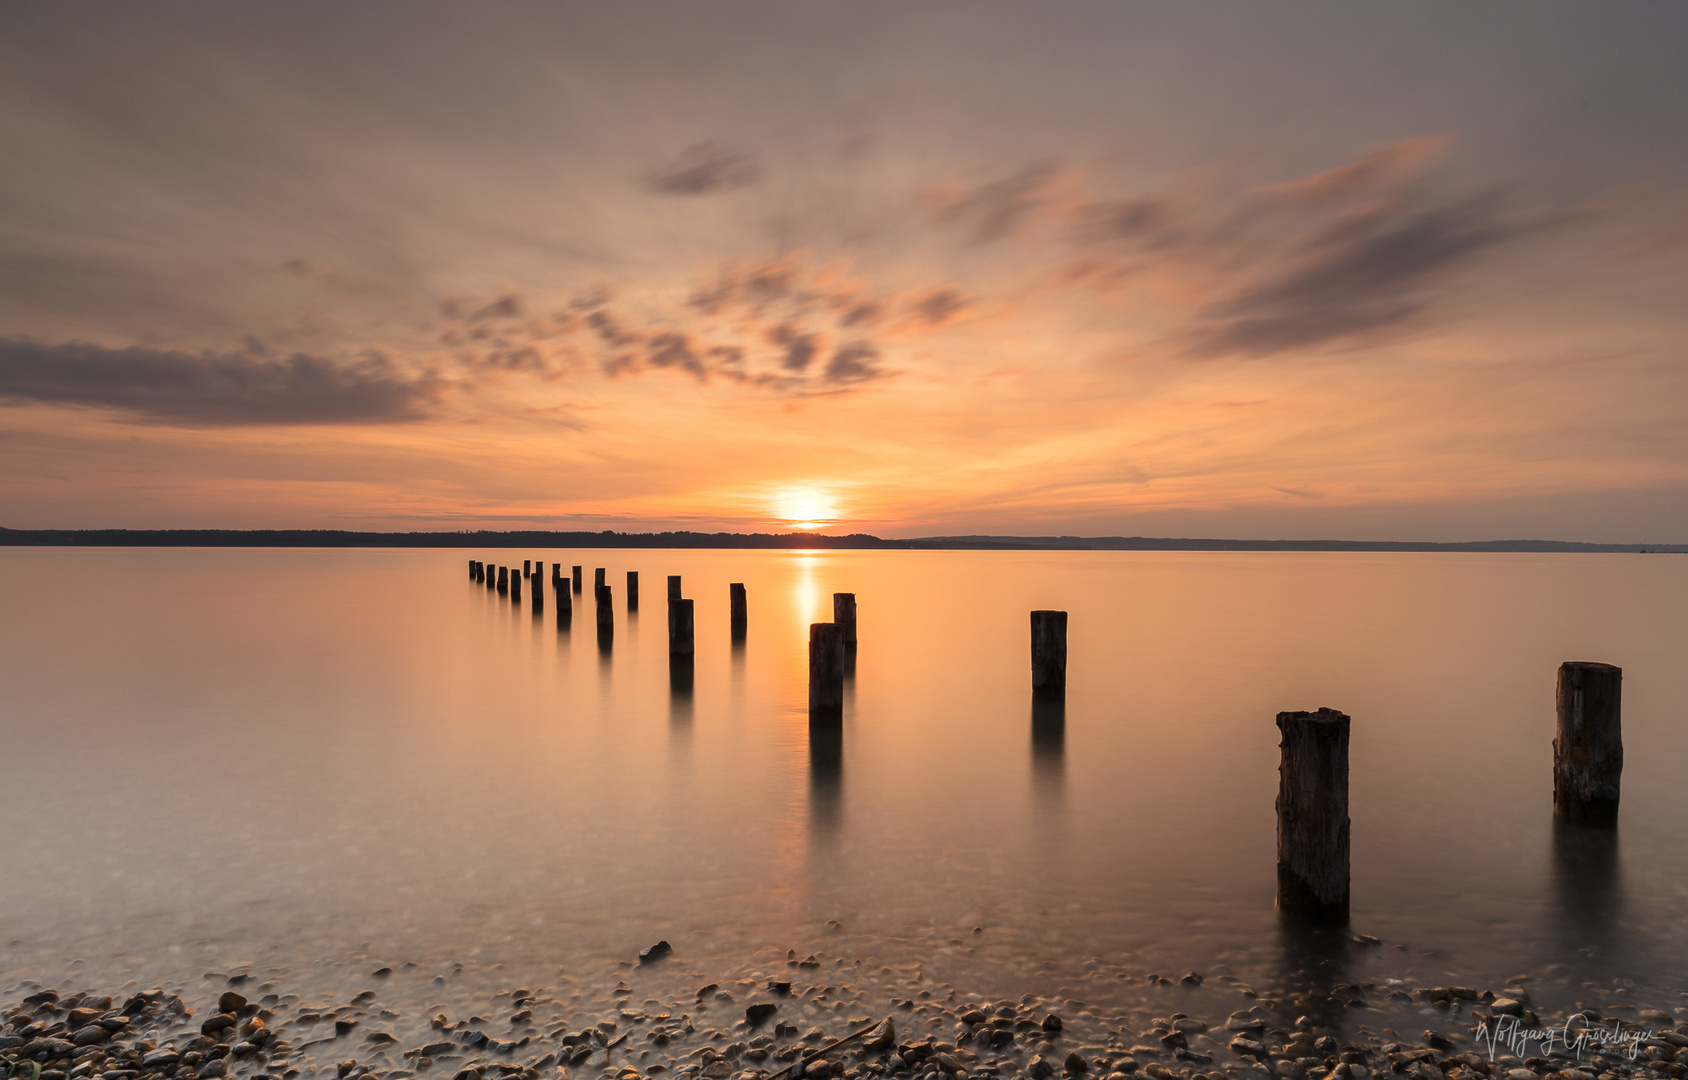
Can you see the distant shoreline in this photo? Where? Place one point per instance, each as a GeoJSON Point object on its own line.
{"type": "Point", "coordinates": [481, 539]}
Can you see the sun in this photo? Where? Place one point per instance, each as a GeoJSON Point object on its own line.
{"type": "Point", "coordinates": [804, 507]}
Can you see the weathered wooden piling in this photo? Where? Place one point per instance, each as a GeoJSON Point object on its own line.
{"type": "Point", "coordinates": [538, 593]}
{"type": "Point", "coordinates": [527, 568]}
{"type": "Point", "coordinates": [680, 636]}
{"type": "Point", "coordinates": [565, 601]}
{"type": "Point", "coordinates": [1049, 653]}
{"type": "Point", "coordinates": [515, 587]}
{"type": "Point", "coordinates": [490, 573]}
{"type": "Point", "coordinates": [606, 611]}
{"type": "Point", "coordinates": [577, 581]}
{"type": "Point", "coordinates": [844, 614]}
{"type": "Point", "coordinates": [503, 580]}
{"type": "Point", "coordinates": [538, 570]}
{"type": "Point", "coordinates": [1588, 749]}
{"type": "Point", "coordinates": [673, 587]}
{"type": "Point", "coordinates": [556, 574]}
{"type": "Point", "coordinates": [597, 581]}
{"type": "Point", "coordinates": [739, 610]}
{"type": "Point", "coordinates": [1313, 816]}
{"type": "Point", "coordinates": [471, 569]}
{"type": "Point", "coordinates": [632, 590]}
{"type": "Point", "coordinates": [826, 673]}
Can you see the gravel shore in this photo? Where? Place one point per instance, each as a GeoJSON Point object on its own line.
{"type": "Point", "coordinates": [652, 1016]}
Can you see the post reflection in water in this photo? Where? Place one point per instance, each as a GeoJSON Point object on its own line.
{"type": "Point", "coordinates": [1587, 886]}
{"type": "Point", "coordinates": [1049, 749]}
{"type": "Point", "coordinates": [826, 779]}
{"type": "Point", "coordinates": [1314, 971]}
{"type": "Point", "coordinates": [680, 702]}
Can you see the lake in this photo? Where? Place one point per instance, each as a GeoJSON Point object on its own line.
{"type": "Point", "coordinates": [299, 763]}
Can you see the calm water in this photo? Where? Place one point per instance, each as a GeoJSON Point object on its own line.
{"type": "Point", "coordinates": [220, 759]}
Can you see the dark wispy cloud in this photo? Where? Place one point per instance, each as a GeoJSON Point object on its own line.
{"type": "Point", "coordinates": [1365, 273]}
{"type": "Point", "coordinates": [213, 390]}
{"type": "Point", "coordinates": [704, 169]}
{"type": "Point", "coordinates": [996, 209]}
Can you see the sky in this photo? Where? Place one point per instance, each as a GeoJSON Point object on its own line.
{"type": "Point", "coordinates": [1269, 271]}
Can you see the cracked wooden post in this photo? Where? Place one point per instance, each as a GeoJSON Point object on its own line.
{"type": "Point", "coordinates": [1313, 816]}
{"type": "Point", "coordinates": [1049, 654]}
{"type": "Point", "coordinates": [844, 614]}
{"type": "Point", "coordinates": [826, 673]}
{"type": "Point", "coordinates": [680, 636]}
{"type": "Point", "coordinates": [632, 590]}
{"type": "Point", "coordinates": [577, 581]}
{"type": "Point", "coordinates": [1588, 749]}
{"type": "Point", "coordinates": [738, 608]}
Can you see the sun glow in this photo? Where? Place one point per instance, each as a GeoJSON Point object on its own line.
{"type": "Point", "coordinates": [804, 507]}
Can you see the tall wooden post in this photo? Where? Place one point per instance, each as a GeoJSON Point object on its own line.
{"type": "Point", "coordinates": [471, 569]}
{"type": "Point", "coordinates": [673, 587]}
{"type": "Point", "coordinates": [1049, 653]}
{"type": "Point", "coordinates": [597, 581]}
{"type": "Point", "coordinates": [503, 580]}
{"type": "Point", "coordinates": [565, 604]}
{"type": "Point", "coordinates": [826, 673]}
{"type": "Point", "coordinates": [738, 608]}
{"type": "Point", "coordinates": [577, 581]}
{"type": "Point", "coordinates": [490, 574]}
{"type": "Point", "coordinates": [1588, 749]}
{"type": "Point", "coordinates": [527, 568]}
{"type": "Point", "coordinates": [556, 575]}
{"type": "Point", "coordinates": [844, 614]}
{"type": "Point", "coordinates": [680, 636]}
{"type": "Point", "coordinates": [538, 570]}
{"type": "Point", "coordinates": [632, 590]}
{"type": "Point", "coordinates": [538, 588]}
{"type": "Point", "coordinates": [515, 587]}
{"type": "Point", "coordinates": [1313, 816]}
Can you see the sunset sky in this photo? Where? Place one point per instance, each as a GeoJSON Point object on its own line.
{"type": "Point", "coordinates": [1383, 271]}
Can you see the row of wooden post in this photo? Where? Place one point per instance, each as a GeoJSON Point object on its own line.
{"type": "Point", "coordinates": [1312, 804]}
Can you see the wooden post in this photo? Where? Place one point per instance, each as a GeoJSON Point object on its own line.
{"type": "Point", "coordinates": [577, 581]}
{"type": "Point", "coordinates": [1588, 750]}
{"type": "Point", "coordinates": [538, 593]}
{"type": "Point", "coordinates": [1313, 816]}
{"type": "Point", "coordinates": [556, 574]}
{"type": "Point", "coordinates": [673, 587]}
{"type": "Point", "coordinates": [632, 590]}
{"type": "Point", "coordinates": [826, 673]}
{"type": "Point", "coordinates": [844, 614]}
{"type": "Point", "coordinates": [515, 587]}
{"type": "Point", "coordinates": [597, 581]}
{"type": "Point", "coordinates": [471, 569]}
{"type": "Point", "coordinates": [680, 639]}
{"type": "Point", "coordinates": [606, 612]}
{"type": "Point", "coordinates": [538, 570]}
{"type": "Point", "coordinates": [503, 580]}
{"type": "Point", "coordinates": [565, 602]}
{"type": "Point", "coordinates": [1049, 653]}
{"type": "Point", "coordinates": [527, 568]}
{"type": "Point", "coordinates": [740, 613]}
{"type": "Point", "coordinates": [490, 573]}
